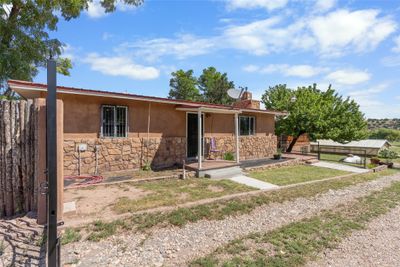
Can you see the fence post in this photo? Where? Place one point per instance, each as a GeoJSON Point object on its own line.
{"type": "Point", "coordinates": [319, 152]}
{"type": "Point", "coordinates": [365, 159]}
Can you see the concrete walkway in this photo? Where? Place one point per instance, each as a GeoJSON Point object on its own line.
{"type": "Point", "coordinates": [341, 167]}
{"type": "Point", "coordinates": [242, 179]}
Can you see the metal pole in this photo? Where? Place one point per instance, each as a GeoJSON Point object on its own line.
{"type": "Point", "coordinates": [237, 137]}
{"type": "Point", "coordinates": [319, 152]}
{"type": "Point", "coordinates": [51, 133]}
{"type": "Point", "coordinates": [199, 133]}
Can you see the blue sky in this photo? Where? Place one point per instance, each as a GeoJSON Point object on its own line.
{"type": "Point", "coordinates": [353, 45]}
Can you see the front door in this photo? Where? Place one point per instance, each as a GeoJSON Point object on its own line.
{"type": "Point", "coordinates": [192, 134]}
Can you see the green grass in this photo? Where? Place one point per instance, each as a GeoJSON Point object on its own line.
{"type": "Point", "coordinates": [223, 208]}
{"type": "Point", "coordinates": [70, 235]}
{"type": "Point", "coordinates": [294, 244]}
{"type": "Point", "coordinates": [338, 159]}
{"type": "Point", "coordinates": [173, 192]}
{"type": "Point", "coordinates": [295, 174]}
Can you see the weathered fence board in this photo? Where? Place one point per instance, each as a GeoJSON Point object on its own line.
{"type": "Point", "coordinates": [17, 153]}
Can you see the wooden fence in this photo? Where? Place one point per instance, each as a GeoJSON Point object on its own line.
{"type": "Point", "coordinates": [18, 191]}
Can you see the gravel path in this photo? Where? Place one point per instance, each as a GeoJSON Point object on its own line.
{"type": "Point", "coordinates": [176, 246]}
{"type": "Point", "coordinates": [20, 241]}
{"type": "Point", "coordinates": [378, 245]}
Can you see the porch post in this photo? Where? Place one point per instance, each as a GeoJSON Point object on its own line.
{"type": "Point", "coordinates": [199, 132]}
{"type": "Point", "coordinates": [237, 137]}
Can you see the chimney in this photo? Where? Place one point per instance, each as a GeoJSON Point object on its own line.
{"type": "Point", "coordinates": [246, 101]}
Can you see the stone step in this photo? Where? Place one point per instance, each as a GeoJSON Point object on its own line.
{"type": "Point", "coordinates": [312, 161]}
{"type": "Point", "coordinates": [222, 172]}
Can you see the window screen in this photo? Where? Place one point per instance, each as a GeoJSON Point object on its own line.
{"type": "Point", "coordinates": [114, 121]}
{"type": "Point", "coordinates": [247, 125]}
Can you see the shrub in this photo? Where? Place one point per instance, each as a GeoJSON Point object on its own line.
{"type": "Point", "coordinates": [388, 154]}
{"type": "Point", "coordinates": [383, 133]}
{"type": "Point", "coordinates": [229, 156]}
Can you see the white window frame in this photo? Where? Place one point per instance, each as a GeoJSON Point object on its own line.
{"type": "Point", "coordinates": [254, 125]}
{"type": "Point", "coordinates": [115, 120]}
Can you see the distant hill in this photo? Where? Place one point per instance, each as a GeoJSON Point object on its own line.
{"type": "Point", "coordinates": [384, 123]}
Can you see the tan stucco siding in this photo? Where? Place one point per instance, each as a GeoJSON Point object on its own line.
{"type": "Point", "coordinates": [82, 118]}
{"type": "Point", "coordinates": [83, 115]}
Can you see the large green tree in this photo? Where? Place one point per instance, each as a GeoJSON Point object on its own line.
{"type": "Point", "coordinates": [320, 114]}
{"type": "Point", "coordinates": [25, 43]}
{"type": "Point", "coordinates": [214, 86]}
{"type": "Point", "coordinates": [183, 85]}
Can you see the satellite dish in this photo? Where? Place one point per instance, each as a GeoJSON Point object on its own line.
{"type": "Point", "coordinates": [235, 93]}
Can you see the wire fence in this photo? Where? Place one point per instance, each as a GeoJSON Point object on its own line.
{"type": "Point", "coordinates": [357, 157]}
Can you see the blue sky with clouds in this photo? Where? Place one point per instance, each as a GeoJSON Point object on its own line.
{"type": "Point", "coordinates": [353, 45]}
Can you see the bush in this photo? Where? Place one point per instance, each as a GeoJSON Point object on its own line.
{"type": "Point", "coordinates": [383, 133]}
{"type": "Point", "coordinates": [229, 156]}
{"type": "Point", "coordinates": [388, 154]}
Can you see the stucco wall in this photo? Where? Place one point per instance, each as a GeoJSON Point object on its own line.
{"type": "Point", "coordinates": [167, 133]}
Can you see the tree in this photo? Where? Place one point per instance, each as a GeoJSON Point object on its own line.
{"type": "Point", "coordinates": [320, 114]}
{"type": "Point", "coordinates": [214, 86]}
{"type": "Point", "coordinates": [25, 43]}
{"type": "Point", "coordinates": [183, 86]}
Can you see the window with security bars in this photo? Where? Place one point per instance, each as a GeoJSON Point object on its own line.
{"type": "Point", "coordinates": [247, 125]}
{"type": "Point", "coordinates": [114, 121]}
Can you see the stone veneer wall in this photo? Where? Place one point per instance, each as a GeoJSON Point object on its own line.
{"type": "Point", "coordinates": [123, 153]}
{"type": "Point", "coordinates": [251, 147]}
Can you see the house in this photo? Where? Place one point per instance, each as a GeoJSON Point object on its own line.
{"type": "Point", "coordinates": [368, 147]}
{"type": "Point", "coordinates": [109, 131]}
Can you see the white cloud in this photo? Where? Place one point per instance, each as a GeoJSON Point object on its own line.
{"type": "Point", "coordinates": [68, 51]}
{"type": "Point", "coordinates": [333, 34]}
{"type": "Point", "coordinates": [267, 36]}
{"type": "Point", "coordinates": [396, 49]}
{"type": "Point", "coordinates": [181, 47]}
{"type": "Point", "coordinates": [106, 36]}
{"type": "Point", "coordinates": [357, 31]}
{"type": "Point", "coordinates": [391, 61]}
{"type": "Point", "coordinates": [302, 71]}
{"type": "Point", "coordinates": [324, 5]}
{"type": "Point", "coordinates": [369, 91]}
{"type": "Point", "coordinates": [120, 66]}
{"type": "Point", "coordinates": [253, 4]}
{"type": "Point", "coordinates": [95, 10]}
{"type": "Point", "coordinates": [348, 77]}
{"type": "Point", "coordinates": [369, 101]}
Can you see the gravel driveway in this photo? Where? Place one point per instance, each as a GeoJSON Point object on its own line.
{"type": "Point", "coordinates": [20, 241]}
{"type": "Point", "coordinates": [378, 245]}
{"type": "Point", "coordinates": [176, 246]}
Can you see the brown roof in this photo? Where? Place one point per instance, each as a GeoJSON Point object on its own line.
{"type": "Point", "coordinates": [25, 85]}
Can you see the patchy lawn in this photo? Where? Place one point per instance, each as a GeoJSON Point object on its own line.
{"type": "Point", "coordinates": [102, 201]}
{"type": "Point", "coordinates": [220, 209]}
{"type": "Point", "coordinates": [172, 192]}
{"type": "Point", "coordinates": [294, 244]}
{"type": "Point", "coordinates": [295, 174]}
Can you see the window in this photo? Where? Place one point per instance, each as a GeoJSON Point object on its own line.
{"type": "Point", "coordinates": [247, 125]}
{"type": "Point", "coordinates": [114, 121]}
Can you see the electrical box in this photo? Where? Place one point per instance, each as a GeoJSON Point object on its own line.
{"type": "Point", "coordinates": [82, 147]}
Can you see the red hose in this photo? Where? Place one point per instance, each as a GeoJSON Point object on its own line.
{"type": "Point", "coordinates": [86, 180]}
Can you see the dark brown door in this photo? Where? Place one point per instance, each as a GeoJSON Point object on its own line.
{"type": "Point", "coordinates": [192, 134]}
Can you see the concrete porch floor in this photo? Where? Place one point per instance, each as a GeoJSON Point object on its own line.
{"type": "Point", "coordinates": [211, 165]}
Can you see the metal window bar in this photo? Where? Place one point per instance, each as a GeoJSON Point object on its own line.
{"type": "Point", "coordinates": [114, 121]}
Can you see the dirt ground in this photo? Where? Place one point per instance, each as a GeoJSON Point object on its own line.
{"type": "Point", "coordinates": [92, 200]}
